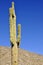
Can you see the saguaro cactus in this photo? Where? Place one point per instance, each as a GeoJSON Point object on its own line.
{"type": "Point", "coordinates": [14, 42]}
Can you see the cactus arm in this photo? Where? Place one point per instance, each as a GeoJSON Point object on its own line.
{"type": "Point", "coordinates": [19, 35]}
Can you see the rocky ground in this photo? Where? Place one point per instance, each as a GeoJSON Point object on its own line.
{"type": "Point", "coordinates": [25, 58]}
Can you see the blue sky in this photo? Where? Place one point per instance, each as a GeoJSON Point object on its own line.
{"type": "Point", "coordinates": [29, 14]}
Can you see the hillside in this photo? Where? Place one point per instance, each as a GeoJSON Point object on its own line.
{"type": "Point", "coordinates": [25, 58]}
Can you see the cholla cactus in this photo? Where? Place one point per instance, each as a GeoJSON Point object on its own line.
{"type": "Point", "coordinates": [14, 42]}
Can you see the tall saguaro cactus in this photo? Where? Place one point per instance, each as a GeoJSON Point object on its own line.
{"type": "Point", "coordinates": [14, 42]}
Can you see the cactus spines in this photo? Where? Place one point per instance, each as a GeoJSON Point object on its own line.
{"type": "Point", "coordinates": [14, 42]}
